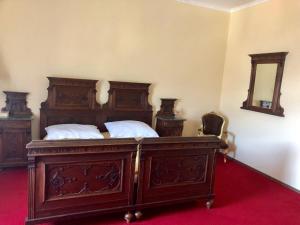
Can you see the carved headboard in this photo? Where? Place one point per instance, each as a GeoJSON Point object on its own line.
{"type": "Point", "coordinates": [70, 101]}
{"type": "Point", "coordinates": [74, 101]}
{"type": "Point", "coordinates": [128, 101]}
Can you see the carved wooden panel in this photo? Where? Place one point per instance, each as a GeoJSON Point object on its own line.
{"type": "Point", "coordinates": [13, 149]}
{"type": "Point", "coordinates": [178, 170]}
{"type": "Point", "coordinates": [67, 116]}
{"type": "Point", "coordinates": [167, 107]}
{"type": "Point", "coordinates": [80, 177]}
{"type": "Point", "coordinates": [14, 135]}
{"type": "Point", "coordinates": [66, 93]}
{"type": "Point", "coordinates": [16, 104]}
{"type": "Point", "coordinates": [83, 178]}
{"type": "Point", "coordinates": [128, 101]}
{"type": "Point", "coordinates": [169, 127]}
{"type": "Point", "coordinates": [67, 97]}
{"type": "Point", "coordinates": [129, 98]}
{"type": "Point", "coordinates": [70, 101]}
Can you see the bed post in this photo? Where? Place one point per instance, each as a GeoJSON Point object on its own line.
{"type": "Point", "coordinates": [31, 186]}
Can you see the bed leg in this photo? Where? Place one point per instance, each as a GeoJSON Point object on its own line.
{"type": "Point", "coordinates": [138, 215]}
{"type": "Point", "coordinates": [209, 203]}
{"type": "Point", "coordinates": [128, 217]}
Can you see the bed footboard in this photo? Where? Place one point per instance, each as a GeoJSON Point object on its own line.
{"type": "Point", "coordinates": [69, 179]}
{"type": "Point", "coordinates": [174, 170]}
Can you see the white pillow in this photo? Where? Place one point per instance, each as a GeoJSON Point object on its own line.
{"type": "Point", "coordinates": [129, 129]}
{"type": "Point", "coordinates": [72, 131]}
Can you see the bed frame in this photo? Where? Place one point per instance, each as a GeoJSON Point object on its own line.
{"type": "Point", "coordinates": [74, 178]}
{"type": "Point", "coordinates": [74, 101]}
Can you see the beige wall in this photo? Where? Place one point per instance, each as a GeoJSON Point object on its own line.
{"type": "Point", "coordinates": [167, 43]}
{"type": "Point", "coordinates": [179, 48]}
{"type": "Point", "coordinates": [268, 143]}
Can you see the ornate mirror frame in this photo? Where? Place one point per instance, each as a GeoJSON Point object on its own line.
{"type": "Point", "coordinates": [267, 58]}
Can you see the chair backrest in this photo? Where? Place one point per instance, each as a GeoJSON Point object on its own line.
{"type": "Point", "coordinates": [213, 124]}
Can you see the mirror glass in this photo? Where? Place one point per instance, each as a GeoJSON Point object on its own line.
{"type": "Point", "coordinates": [264, 85]}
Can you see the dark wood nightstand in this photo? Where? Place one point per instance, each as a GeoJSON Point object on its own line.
{"type": "Point", "coordinates": [169, 126]}
{"type": "Point", "coordinates": [15, 133]}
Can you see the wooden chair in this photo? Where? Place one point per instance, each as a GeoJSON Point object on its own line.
{"type": "Point", "coordinates": [213, 124]}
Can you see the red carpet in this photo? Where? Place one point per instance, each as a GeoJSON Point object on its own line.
{"type": "Point", "coordinates": [243, 198]}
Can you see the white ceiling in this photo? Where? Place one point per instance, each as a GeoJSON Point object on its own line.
{"type": "Point", "coordinates": [224, 5]}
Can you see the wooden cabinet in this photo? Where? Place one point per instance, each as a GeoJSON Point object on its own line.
{"type": "Point", "coordinates": [14, 135]}
{"type": "Point", "coordinates": [169, 126]}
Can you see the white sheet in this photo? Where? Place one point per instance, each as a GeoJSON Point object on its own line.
{"type": "Point", "coordinates": [72, 131]}
{"type": "Point", "coordinates": [129, 129]}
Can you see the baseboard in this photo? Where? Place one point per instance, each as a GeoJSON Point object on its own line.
{"type": "Point", "coordinates": [265, 175]}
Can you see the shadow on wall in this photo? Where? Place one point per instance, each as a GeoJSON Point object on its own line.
{"type": "Point", "coordinates": [4, 78]}
{"type": "Point", "coordinates": [4, 75]}
{"type": "Point", "coordinates": [150, 100]}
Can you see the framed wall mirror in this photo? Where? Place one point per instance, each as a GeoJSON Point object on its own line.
{"type": "Point", "coordinates": [265, 83]}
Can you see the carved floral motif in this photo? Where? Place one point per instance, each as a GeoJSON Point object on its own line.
{"type": "Point", "coordinates": [57, 181]}
{"type": "Point", "coordinates": [84, 178]}
{"type": "Point", "coordinates": [63, 150]}
{"type": "Point", "coordinates": [66, 96]}
{"type": "Point", "coordinates": [178, 170]}
{"type": "Point", "coordinates": [112, 178]}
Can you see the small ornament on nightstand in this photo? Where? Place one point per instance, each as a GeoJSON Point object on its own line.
{"type": "Point", "coordinates": [166, 122]}
{"type": "Point", "coordinates": [167, 107]}
{"type": "Point", "coordinates": [16, 105]}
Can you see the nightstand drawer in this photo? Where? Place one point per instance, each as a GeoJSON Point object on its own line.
{"type": "Point", "coordinates": [169, 126]}
{"type": "Point", "coordinates": [14, 135]}
{"type": "Point", "coordinates": [170, 123]}
{"type": "Point", "coordinates": [17, 124]}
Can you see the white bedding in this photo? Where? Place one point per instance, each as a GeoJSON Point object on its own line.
{"type": "Point", "coordinates": [129, 129]}
{"type": "Point", "coordinates": [72, 131]}
{"type": "Point", "coordinates": [117, 129]}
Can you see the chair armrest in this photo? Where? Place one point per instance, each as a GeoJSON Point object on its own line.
{"type": "Point", "coordinates": [228, 137]}
{"type": "Point", "coordinates": [200, 131]}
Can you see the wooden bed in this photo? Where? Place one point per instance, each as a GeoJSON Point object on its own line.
{"type": "Point", "coordinates": [74, 178]}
